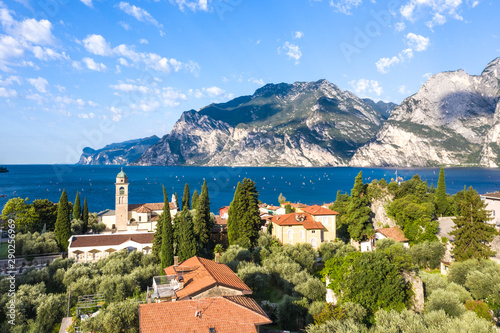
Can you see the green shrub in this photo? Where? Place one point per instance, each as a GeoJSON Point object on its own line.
{"type": "Point", "coordinates": [480, 308]}
{"type": "Point", "coordinates": [446, 301]}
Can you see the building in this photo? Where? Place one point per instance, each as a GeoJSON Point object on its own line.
{"type": "Point", "coordinates": [394, 233]}
{"type": "Point", "coordinates": [132, 217]}
{"type": "Point", "coordinates": [196, 278]}
{"type": "Point", "coordinates": [314, 225]}
{"type": "Point", "coordinates": [90, 248]}
{"type": "Point", "coordinates": [492, 201]}
{"type": "Point", "coordinates": [226, 314]}
{"type": "Point", "coordinates": [224, 212]}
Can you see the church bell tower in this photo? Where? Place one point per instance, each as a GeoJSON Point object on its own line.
{"type": "Point", "coordinates": [121, 203]}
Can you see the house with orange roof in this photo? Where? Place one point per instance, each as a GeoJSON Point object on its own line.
{"type": "Point", "coordinates": [196, 278]}
{"type": "Point", "coordinates": [314, 225]}
{"type": "Point", "coordinates": [223, 314]}
{"type": "Point", "coordinates": [394, 233]}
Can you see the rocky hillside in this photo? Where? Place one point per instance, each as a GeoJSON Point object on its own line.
{"type": "Point", "coordinates": [454, 119]}
{"type": "Point", "coordinates": [300, 124]}
{"type": "Point", "coordinates": [118, 153]}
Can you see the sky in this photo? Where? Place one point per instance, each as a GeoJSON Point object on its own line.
{"type": "Point", "coordinates": [78, 73]}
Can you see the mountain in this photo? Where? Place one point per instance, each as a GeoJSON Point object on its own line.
{"type": "Point", "coordinates": [300, 124]}
{"type": "Point", "coordinates": [384, 108]}
{"type": "Point", "coordinates": [118, 153]}
{"type": "Point", "coordinates": [454, 119]}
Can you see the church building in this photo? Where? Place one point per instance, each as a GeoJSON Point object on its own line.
{"type": "Point", "coordinates": [132, 217]}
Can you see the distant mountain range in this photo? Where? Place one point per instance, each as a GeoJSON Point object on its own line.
{"type": "Point", "coordinates": [454, 119]}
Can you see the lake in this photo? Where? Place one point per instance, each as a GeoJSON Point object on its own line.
{"type": "Point", "coordinates": [306, 185]}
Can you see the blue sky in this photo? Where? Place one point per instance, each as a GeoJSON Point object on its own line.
{"type": "Point", "coordinates": [77, 73]}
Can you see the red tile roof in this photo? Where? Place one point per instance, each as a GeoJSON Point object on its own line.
{"type": "Point", "coordinates": [143, 209]}
{"type": "Point", "coordinates": [318, 210]}
{"type": "Point", "coordinates": [495, 195]}
{"type": "Point", "coordinates": [110, 240]}
{"type": "Point", "coordinates": [225, 314]}
{"type": "Point", "coordinates": [202, 274]}
{"type": "Point", "coordinates": [150, 206]}
{"type": "Point", "coordinates": [296, 205]}
{"type": "Point", "coordinates": [394, 233]}
{"type": "Point", "coordinates": [304, 219]}
{"type": "Point", "coordinates": [273, 207]}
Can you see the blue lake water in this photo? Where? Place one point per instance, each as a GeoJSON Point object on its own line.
{"type": "Point", "coordinates": [306, 185]}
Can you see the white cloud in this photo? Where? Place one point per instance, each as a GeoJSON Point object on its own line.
{"type": "Point", "coordinates": [193, 5]}
{"type": "Point", "coordinates": [298, 34]}
{"type": "Point", "coordinates": [438, 10]}
{"type": "Point", "coordinates": [10, 48]}
{"type": "Point", "coordinates": [402, 90]}
{"type": "Point", "coordinates": [87, 2]}
{"type": "Point", "coordinates": [292, 51]}
{"type": "Point", "coordinates": [48, 54]}
{"type": "Point", "coordinates": [345, 6]}
{"type": "Point", "coordinates": [40, 84]}
{"type": "Point", "coordinates": [214, 91]}
{"type": "Point", "coordinates": [139, 13]}
{"type": "Point", "coordinates": [6, 93]}
{"type": "Point", "coordinates": [92, 65]}
{"type": "Point", "coordinates": [365, 88]}
{"type": "Point", "coordinates": [77, 65]}
{"type": "Point", "coordinates": [260, 82]}
{"type": "Point", "coordinates": [143, 41]}
{"type": "Point", "coordinates": [96, 44]}
{"type": "Point", "coordinates": [127, 87]}
{"type": "Point", "coordinates": [417, 42]}
{"type": "Point", "coordinates": [37, 32]}
{"type": "Point", "coordinates": [86, 115]}
{"type": "Point", "coordinates": [10, 80]}
{"type": "Point", "coordinates": [125, 25]}
{"type": "Point", "coordinates": [400, 26]}
{"type": "Point", "coordinates": [117, 113]}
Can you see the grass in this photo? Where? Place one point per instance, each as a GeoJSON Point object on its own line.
{"type": "Point", "coordinates": [3, 250]}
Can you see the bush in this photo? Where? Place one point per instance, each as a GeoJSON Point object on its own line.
{"type": "Point", "coordinates": [480, 308]}
{"type": "Point", "coordinates": [286, 313]}
{"type": "Point", "coordinates": [432, 282]}
{"type": "Point", "coordinates": [461, 292]}
{"type": "Point", "coordinates": [459, 270]}
{"type": "Point", "coordinates": [334, 250]}
{"type": "Point", "coordinates": [385, 243]}
{"type": "Point", "coordinates": [234, 255]}
{"type": "Point", "coordinates": [255, 277]}
{"type": "Point", "coordinates": [117, 317]}
{"type": "Point", "coordinates": [446, 301]}
{"type": "Point", "coordinates": [354, 311]}
{"type": "Point", "coordinates": [427, 254]}
{"type": "Point", "coordinates": [313, 289]}
{"type": "Point", "coordinates": [36, 243]}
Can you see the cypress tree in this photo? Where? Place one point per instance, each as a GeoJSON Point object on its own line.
{"type": "Point", "coordinates": [77, 208]}
{"type": "Point", "coordinates": [441, 201]}
{"type": "Point", "coordinates": [288, 209]}
{"type": "Point", "coordinates": [85, 216]}
{"type": "Point", "coordinates": [202, 225]}
{"type": "Point", "coordinates": [185, 197]}
{"type": "Point", "coordinates": [250, 219]}
{"type": "Point", "coordinates": [472, 232]}
{"type": "Point", "coordinates": [358, 214]}
{"type": "Point", "coordinates": [177, 201]}
{"type": "Point", "coordinates": [233, 218]}
{"type": "Point", "coordinates": [63, 222]}
{"type": "Point", "coordinates": [340, 206]}
{"type": "Point", "coordinates": [167, 241]}
{"type": "Point", "coordinates": [194, 199]}
{"type": "Point", "coordinates": [187, 241]}
{"type": "Point", "coordinates": [157, 238]}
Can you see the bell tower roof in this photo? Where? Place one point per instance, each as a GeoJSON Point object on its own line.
{"type": "Point", "coordinates": [121, 174]}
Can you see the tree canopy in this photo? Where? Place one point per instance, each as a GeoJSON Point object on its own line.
{"type": "Point", "coordinates": [358, 210]}
{"type": "Point", "coordinates": [63, 223]}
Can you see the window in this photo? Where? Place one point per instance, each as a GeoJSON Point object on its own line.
{"type": "Point", "coordinates": [302, 234]}
{"type": "Point", "coordinates": [314, 243]}
{"type": "Point", "coordinates": [313, 231]}
{"type": "Point", "coordinates": [140, 217]}
{"type": "Point", "coordinates": [290, 235]}
{"type": "Point", "coordinates": [122, 190]}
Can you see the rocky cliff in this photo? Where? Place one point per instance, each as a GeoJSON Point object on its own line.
{"type": "Point", "coordinates": [452, 120]}
{"type": "Point", "coordinates": [300, 124]}
{"type": "Point", "coordinates": [118, 153]}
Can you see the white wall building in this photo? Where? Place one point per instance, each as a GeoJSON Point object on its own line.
{"type": "Point", "coordinates": [90, 248]}
{"type": "Point", "coordinates": [492, 201]}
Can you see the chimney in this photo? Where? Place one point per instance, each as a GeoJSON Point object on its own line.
{"type": "Point", "coordinates": [176, 261]}
{"type": "Point", "coordinates": [217, 255]}
{"type": "Point", "coordinates": [181, 282]}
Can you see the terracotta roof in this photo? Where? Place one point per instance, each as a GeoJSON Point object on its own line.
{"type": "Point", "coordinates": [495, 195]}
{"type": "Point", "coordinates": [151, 206]}
{"type": "Point", "coordinates": [202, 274]}
{"type": "Point", "coordinates": [143, 209]}
{"type": "Point", "coordinates": [296, 205]}
{"type": "Point", "coordinates": [318, 210]}
{"type": "Point", "coordinates": [224, 314]}
{"type": "Point", "coordinates": [273, 207]}
{"type": "Point", "coordinates": [220, 221]}
{"type": "Point", "coordinates": [304, 219]}
{"type": "Point", "coordinates": [393, 233]}
{"type": "Point", "coordinates": [110, 240]}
